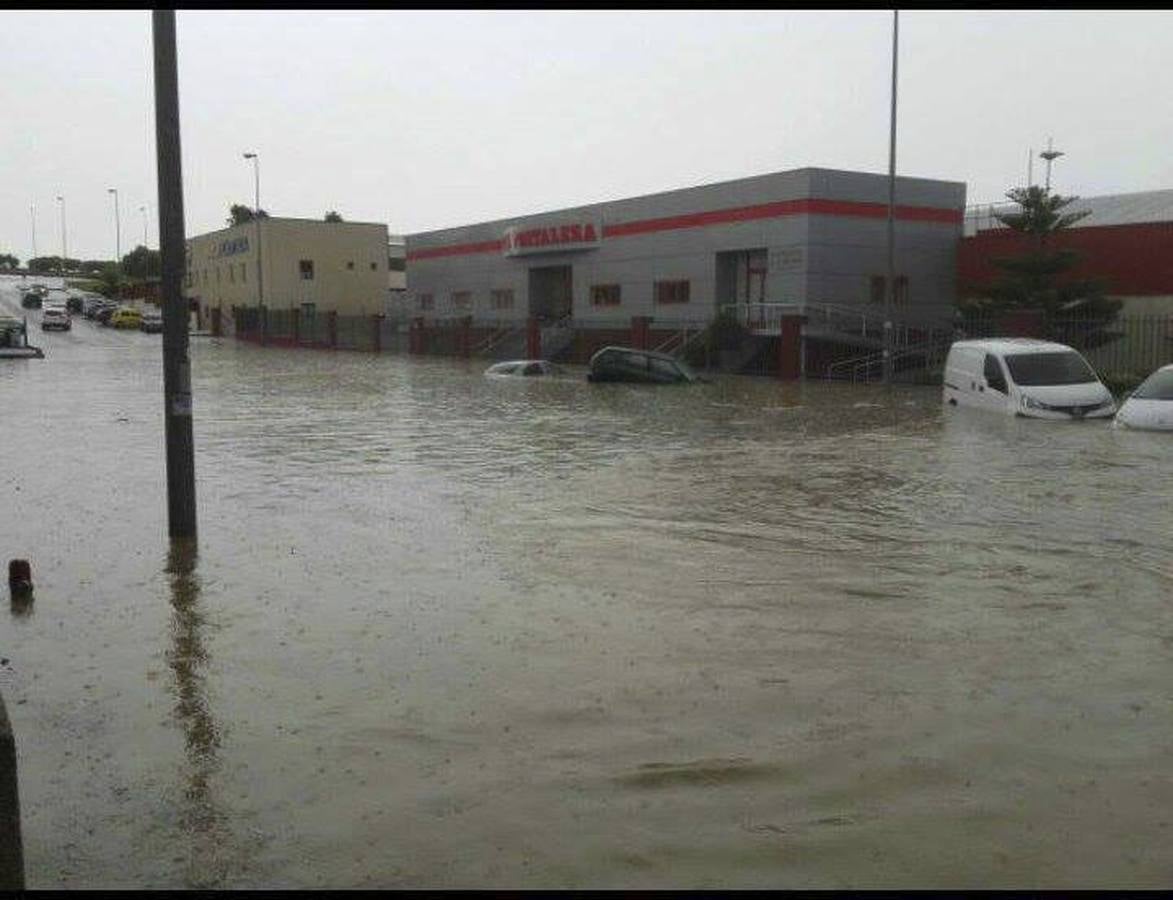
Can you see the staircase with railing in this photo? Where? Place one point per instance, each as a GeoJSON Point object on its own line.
{"type": "Point", "coordinates": [678, 341]}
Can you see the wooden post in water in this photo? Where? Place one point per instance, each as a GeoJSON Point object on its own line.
{"type": "Point", "coordinates": [181, 503]}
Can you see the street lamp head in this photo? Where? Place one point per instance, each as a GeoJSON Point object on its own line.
{"type": "Point", "coordinates": [250, 156]}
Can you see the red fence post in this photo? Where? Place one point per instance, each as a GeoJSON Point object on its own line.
{"type": "Point", "coordinates": [332, 328]}
{"type": "Point", "coordinates": [533, 338]}
{"type": "Point", "coordinates": [640, 331]}
{"type": "Point", "coordinates": [790, 349]}
{"type": "Point", "coordinates": [466, 337]}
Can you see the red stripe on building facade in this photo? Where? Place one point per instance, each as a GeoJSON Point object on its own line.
{"type": "Point", "coordinates": [802, 207]}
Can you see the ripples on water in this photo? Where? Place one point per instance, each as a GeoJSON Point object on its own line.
{"type": "Point", "coordinates": [458, 631]}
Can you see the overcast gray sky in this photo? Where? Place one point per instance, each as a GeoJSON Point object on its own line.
{"type": "Point", "coordinates": [428, 119]}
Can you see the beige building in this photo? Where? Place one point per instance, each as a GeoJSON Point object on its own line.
{"type": "Point", "coordinates": [306, 264]}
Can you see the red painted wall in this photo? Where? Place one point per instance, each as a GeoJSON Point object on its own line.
{"type": "Point", "coordinates": [1132, 260]}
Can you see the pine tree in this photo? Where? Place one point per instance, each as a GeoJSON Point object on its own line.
{"type": "Point", "coordinates": [1035, 279]}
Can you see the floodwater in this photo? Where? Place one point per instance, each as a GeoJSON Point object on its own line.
{"type": "Point", "coordinates": [451, 631]}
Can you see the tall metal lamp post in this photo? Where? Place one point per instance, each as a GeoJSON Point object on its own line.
{"type": "Point", "coordinates": [890, 293]}
{"type": "Point", "coordinates": [257, 220]}
{"type": "Point", "coordinates": [33, 218]}
{"type": "Point", "coordinates": [117, 229]}
{"type": "Point", "coordinates": [64, 245]}
{"type": "Point", "coordinates": [143, 210]}
{"type": "Point", "coordinates": [181, 498]}
{"type": "Point", "coordinates": [1050, 155]}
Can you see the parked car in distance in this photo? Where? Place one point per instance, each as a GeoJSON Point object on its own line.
{"type": "Point", "coordinates": [105, 311]}
{"type": "Point", "coordinates": [125, 317]}
{"type": "Point", "coordinates": [1025, 377]}
{"type": "Point", "coordinates": [56, 318]}
{"type": "Point", "coordinates": [523, 367]}
{"type": "Point", "coordinates": [75, 303]}
{"type": "Point", "coordinates": [91, 304]}
{"type": "Point", "coordinates": [641, 366]}
{"type": "Point", "coordinates": [1150, 406]}
{"type": "Point", "coordinates": [152, 321]}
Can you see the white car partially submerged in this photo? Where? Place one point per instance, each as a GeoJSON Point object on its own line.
{"type": "Point", "coordinates": [523, 367]}
{"type": "Point", "coordinates": [1150, 406]}
{"type": "Point", "coordinates": [1025, 377]}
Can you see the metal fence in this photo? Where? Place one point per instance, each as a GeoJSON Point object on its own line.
{"type": "Point", "coordinates": [1121, 347]}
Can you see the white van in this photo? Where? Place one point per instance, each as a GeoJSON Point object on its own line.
{"type": "Point", "coordinates": [1025, 377]}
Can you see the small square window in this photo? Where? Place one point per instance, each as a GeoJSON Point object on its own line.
{"type": "Point", "coordinates": [671, 292]}
{"type": "Point", "coordinates": [426, 301]}
{"type": "Point", "coordinates": [605, 295]}
{"type": "Point", "coordinates": [502, 298]}
{"type": "Point", "coordinates": [350, 264]}
{"type": "Point", "coordinates": [462, 299]}
{"type": "Point", "coordinates": [374, 267]}
{"type": "Point", "coordinates": [306, 268]}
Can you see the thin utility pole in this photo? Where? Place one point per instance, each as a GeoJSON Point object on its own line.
{"type": "Point", "coordinates": [33, 217]}
{"type": "Point", "coordinates": [1050, 155]}
{"type": "Point", "coordinates": [181, 505]}
{"type": "Point", "coordinates": [890, 294]}
{"type": "Point", "coordinates": [117, 229]}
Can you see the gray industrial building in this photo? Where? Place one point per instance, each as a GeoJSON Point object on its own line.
{"type": "Point", "coordinates": [798, 238]}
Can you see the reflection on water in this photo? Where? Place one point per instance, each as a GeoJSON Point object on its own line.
{"type": "Point", "coordinates": [202, 820]}
{"type": "Point", "coordinates": [473, 632]}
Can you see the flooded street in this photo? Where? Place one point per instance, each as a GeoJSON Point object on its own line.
{"type": "Point", "coordinates": [450, 631]}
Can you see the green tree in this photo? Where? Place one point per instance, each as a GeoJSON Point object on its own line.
{"type": "Point", "coordinates": [332, 216]}
{"type": "Point", "coordinates": [239, 214]}
{"type": "Point", "coordinates": [1039, 278]}
{"type": "Point", "coordinates": [142, 263]}
{"type": "Point", "coordinates": [8, 261]}
{"type": "Point", "coordinates": [110, 280]}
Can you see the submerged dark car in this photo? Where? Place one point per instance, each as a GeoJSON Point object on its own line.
{"type": "Point", "coordinates": [640, 366]}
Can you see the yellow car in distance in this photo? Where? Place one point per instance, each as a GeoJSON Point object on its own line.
{"type": "Point", "coordinates": [126, 317]}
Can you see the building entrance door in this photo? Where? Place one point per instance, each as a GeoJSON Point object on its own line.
{"type": "Point", "coordinates": [551, 292]}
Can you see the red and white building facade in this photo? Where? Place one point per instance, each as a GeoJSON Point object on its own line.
{"type": "Point", "coordinates": [793, 239]}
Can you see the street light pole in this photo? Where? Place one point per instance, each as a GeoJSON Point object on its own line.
{"type": "Point", "coordinates": [33, 217]}
{"type": "Point", "coordinates": [181, 497]}
{"type": "Point", "coordinates": [117, 229]}
{"type": "Point", "coordinates": [890, 293]}
{"type": "Point", "coordinates": [257, 219]}
{"type": "Point", "coordinates": [64, 245]}
{"type": "Point", "coordinates": [143, 210]}
{"type": "Point", "coordinates": [1050, 155]}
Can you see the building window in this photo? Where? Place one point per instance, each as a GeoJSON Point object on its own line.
{"type": "Point", "coordinates": [671, 292]}
{"type": "Point", "coordinates": [396, 264]}
{"type": "Point", "coordinates": [606, 294]}
{"type": "Point", "coordinates": [502, 299]}
{"type": "Point", "coordinates": [901, 290]}
{"type": "Point", "coordinates": [306, 268]}
{"type": "Point", "coordinates": [426, 301]}
{"type": "Point", "coordinates": [374, 267]}
{"type": "Point", "coordinates": [217, 274]}
{"type": "Point", "coordinates": [205, 271]}
{"type": "Point", "coordinates": [350, 264]}
{"type": "Point", "coordinates": [232, 273]}
{"type": "Point", "coordinates": [462, 299]}
{"type": "Point", "coordinates": [244, 272]}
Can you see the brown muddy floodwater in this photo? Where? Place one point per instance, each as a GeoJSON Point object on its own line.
{"type": "Point", "coordinates": [449, 631]}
